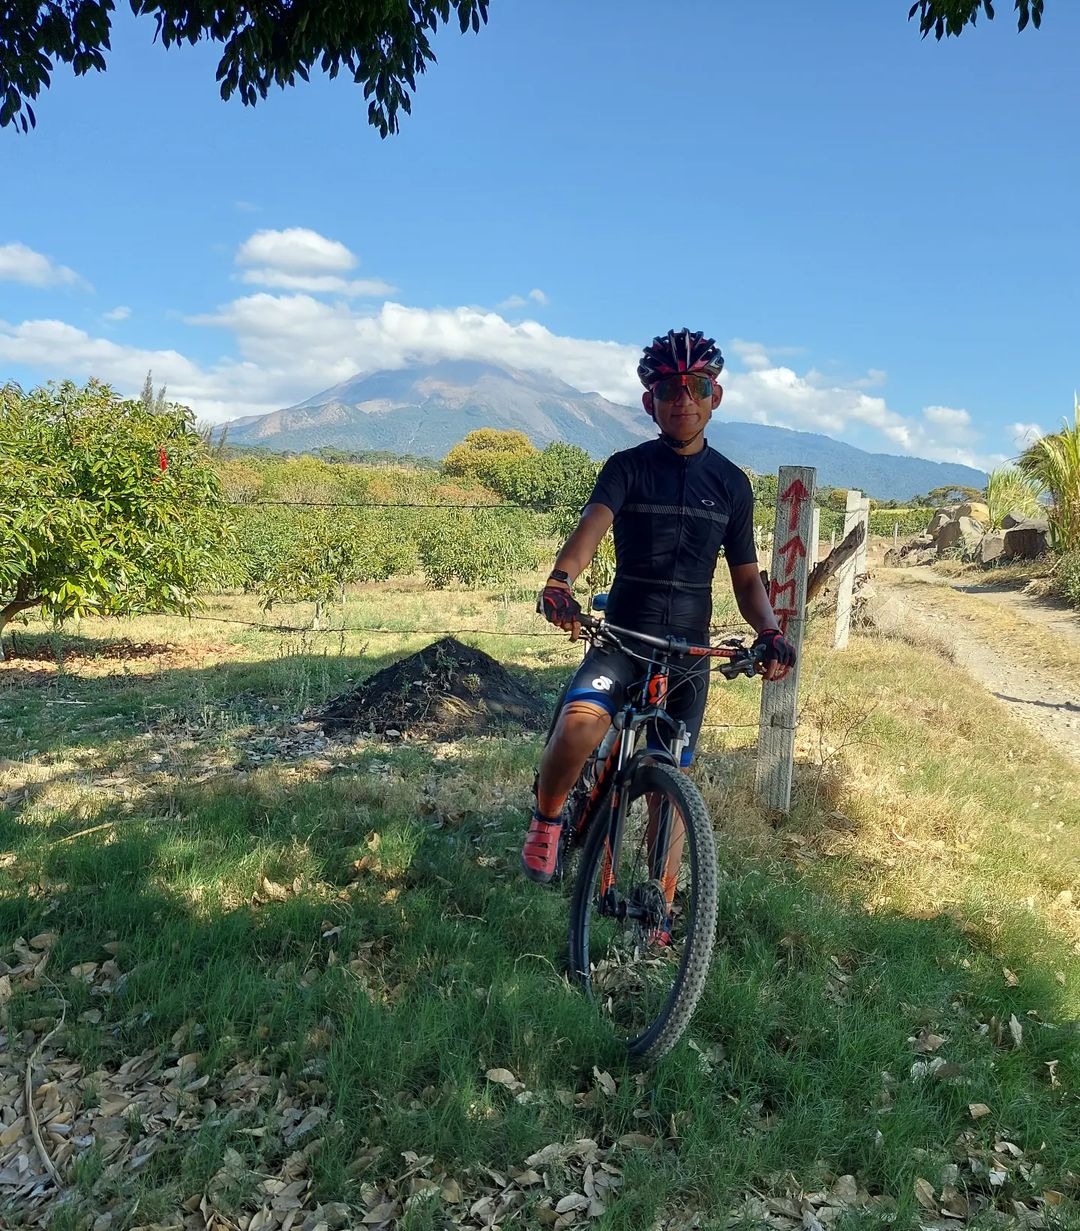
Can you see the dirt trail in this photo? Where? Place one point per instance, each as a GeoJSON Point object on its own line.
{"type": "Point", "coordinates": [1025, 651]}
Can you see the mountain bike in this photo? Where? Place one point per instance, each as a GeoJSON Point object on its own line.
{"type": "Point", "coordinates": [643, 906]}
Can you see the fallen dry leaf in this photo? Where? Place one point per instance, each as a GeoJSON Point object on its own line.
{"type": "Point", "coordinates": [1010, 977]}
{"type": "Point", "coordinates": [925, 1196]}
{"type": "Point", "coordinates": [925, 1041]}
{"type": "Point", "coordinates": [978, 1110]}
{"type": "Point", "coordinates": [572, 1201]}
{"type": "Point", "coordinates": [503, 1077]}
{"type": "Point", "coordinates": [1016, 1030]}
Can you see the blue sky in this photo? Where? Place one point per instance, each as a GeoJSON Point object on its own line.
{"type": "Point", "coordinates": [879, 230]}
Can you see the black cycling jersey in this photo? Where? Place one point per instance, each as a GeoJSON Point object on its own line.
{"type": "Point", "coordinates": [673, 514]}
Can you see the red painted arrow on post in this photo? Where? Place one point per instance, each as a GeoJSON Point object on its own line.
{"type": "Point", "coordinates": [776, 589]}
{"type": "Point", "coordinates": [792, 549]}
{"type": "Point", "coordinates": [796, 493]}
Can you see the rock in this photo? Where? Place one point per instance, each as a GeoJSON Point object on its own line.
{"type": "Point", "coordinates": [1027, 541]}
{"type": "Point", "coordinates": [991, 546]}
{"type": "Point", "coordinates": [940, 519]}
{"type": "Point", "coordinates": [1013, 518]}
{"type": "Point", "coordinates": [927, 555]}
{"type": "Point", "coordinates": [962, 535]}
{"type": "Point", "coordinates": [974, 509]}
{"type": "Point", "coordinates": [893, 558]}
{"type": "Point", "coordinates": [917, 543]}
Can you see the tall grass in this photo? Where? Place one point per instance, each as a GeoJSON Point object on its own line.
{"type": "Point", "coordinates": [1054, 462]}
{"type": "Point", "coordinates": [1010, 491]}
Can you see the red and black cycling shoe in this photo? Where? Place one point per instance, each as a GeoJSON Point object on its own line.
{"type": "Point", "coordinates": [540, 854]}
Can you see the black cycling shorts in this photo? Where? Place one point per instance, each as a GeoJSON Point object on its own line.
{"type": "Point", "coordinates": [606, 676]}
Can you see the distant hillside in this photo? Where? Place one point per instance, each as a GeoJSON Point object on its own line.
{"type": "Point", "coordinates": [881, 475]}
{"type": "Point", "coordinates": [425, 410]}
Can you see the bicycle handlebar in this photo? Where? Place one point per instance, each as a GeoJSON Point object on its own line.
{"type": "Point", "coordinates": [743, 659]}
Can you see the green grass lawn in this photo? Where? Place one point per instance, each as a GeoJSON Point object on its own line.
{"type": "Point", "coordinates": [303, 984]}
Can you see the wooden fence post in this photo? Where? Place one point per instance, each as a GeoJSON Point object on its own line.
{"type": "Point", "coordinates": [787, 593]}
{"type": "Point", "coordinates": [864, 517]}
{"type": "Point", "coordinates": [852, 516]}
{"type": "Point", "coordinates": [815, 535]}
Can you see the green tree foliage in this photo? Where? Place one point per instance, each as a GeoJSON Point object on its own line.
{"type": "Point", "coordinates": [105, 507]}
{"type": "Point", "coordinates": [311, 555]}
{"type": "Point", "coordinates": [904, 522]}
{"type": "Point", "coordinates": [383, 44]}
{"type": "Point", "coordinates": [1008, 491]}
{"type": "Point", "coordinates": [478, 548]}
{"type": "Point", "coordinates": [766, 490]}
{"type": "Point", "coordinates": [485, 454]}
{"type": "Point", "coordinates": [1066, 579]}
{"type": "Point", "coordinates": [949, 17]}
{"type": "Point", "coordinates": [150, 401]}
{"type": "Point", "coordinates": [557, 481]}
{"type": "Point", "coordinates": [1053, 462]}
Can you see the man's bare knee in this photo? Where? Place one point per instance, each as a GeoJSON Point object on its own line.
{"type": "Point", "coordinates": [581, 728]}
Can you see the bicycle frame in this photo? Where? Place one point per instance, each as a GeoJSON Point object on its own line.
{"type": "Point", "coordinates": [624, 756]}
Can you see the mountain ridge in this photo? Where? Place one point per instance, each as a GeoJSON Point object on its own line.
{"type": "Point", "coordinates": [426, 409]}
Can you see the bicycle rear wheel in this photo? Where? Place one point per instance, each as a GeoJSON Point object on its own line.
{"type": "Point", "coordinates": [642, 926]}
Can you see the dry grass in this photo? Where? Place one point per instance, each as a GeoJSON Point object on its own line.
{"type": "Point", "coordinates": [339, 928]}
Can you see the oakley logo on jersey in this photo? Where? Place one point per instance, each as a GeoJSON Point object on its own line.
{"type": "Point", "coordinates": [708, 503]}
{"type": "Point", "coordinates": [602, 683]}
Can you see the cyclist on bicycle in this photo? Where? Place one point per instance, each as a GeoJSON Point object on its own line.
{"type": "Point", "coordinates": [674, 504]}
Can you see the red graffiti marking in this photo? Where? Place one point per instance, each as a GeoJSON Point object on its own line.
{"type": "Point", "coordinates": [791, 550]}
{"type": "Point", "coordinates": [783, 614]}
{"type": "Point", "coordinates": [796, 493]}
{"type": "Point", "coordinates": [777, 588]}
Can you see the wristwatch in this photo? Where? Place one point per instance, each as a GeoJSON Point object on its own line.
{"type": "Point", "coordinates": [557, 574]}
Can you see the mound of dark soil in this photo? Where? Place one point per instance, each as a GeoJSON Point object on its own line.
{"type": "Point", "coordinates": [443, 691]}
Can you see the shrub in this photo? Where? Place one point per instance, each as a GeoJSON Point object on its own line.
{"type": "Point", "coordinates": [1067, 577]}
{"type": "Point", "coordinates": [1008, 490]}
{"type": "Point", "coordinates": [910, 521]}
{"type": "Point", "coordinates": [477, 548]}
{"type": "Point", "coordinates": [105, 506]}
{"type": "Point", "coordinates": [1054, 463]}
{"type": "Point", "coordinates": [308, 555]}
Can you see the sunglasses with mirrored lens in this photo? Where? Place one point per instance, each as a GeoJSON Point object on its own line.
{"type": "Point", "coordinates": [699, 387]}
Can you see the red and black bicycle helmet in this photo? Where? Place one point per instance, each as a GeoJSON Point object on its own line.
{"type": "Point", "coordinates": [679, 351]}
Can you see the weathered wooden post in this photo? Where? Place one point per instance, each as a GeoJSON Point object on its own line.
{"type": "Point", "coordinates": [857, 510]}
{"type": "Point", "coordinates": [860, 557]}
{"type": "Point", "coordinates": [787, 593]}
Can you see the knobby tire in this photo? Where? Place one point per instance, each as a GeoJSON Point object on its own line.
{"type": "Point", "coordinates": [661, 1035]}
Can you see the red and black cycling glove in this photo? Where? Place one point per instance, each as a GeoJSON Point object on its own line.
{"type": "Point", "coordinates": [777, 648]}
{"type": "Point", "coordinates": [557, 605]}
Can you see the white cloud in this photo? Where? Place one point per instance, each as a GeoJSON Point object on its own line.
{"type": "Point", "coordinates": [118, 314]}
{"type": "Point", "coordinates": [781, 397]}
{"type": "Point", "coordinates": [1024, 434]}
{"type": "Point", "coordinates": [18, 263]}
{"type": "Point", "coordinates": [315, 344]}
{"type": "Point", "coordinates": [288, 346]}
{"type": "Point", "coordinates": [535, 296]}
{"type": "Point", "coordinates": [296, 251]}
{"type": "Point", "coordinates": [324, 284]}
{"type": "Point", "coordinates": [301, 260]}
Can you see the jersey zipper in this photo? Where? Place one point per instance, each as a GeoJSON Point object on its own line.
{"type": "Point", "coordinates": [685, 465]}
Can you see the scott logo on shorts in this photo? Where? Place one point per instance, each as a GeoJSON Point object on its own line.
{"type": "Point", "coordinates": [602, 683]}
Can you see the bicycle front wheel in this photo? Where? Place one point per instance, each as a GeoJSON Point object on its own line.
{"type": "Point", "coordinates": [643, 916]}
